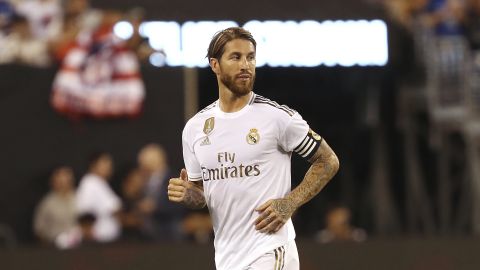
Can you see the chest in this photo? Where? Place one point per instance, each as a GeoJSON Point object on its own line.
{"type": "Point", "coordinates": [236, 142]}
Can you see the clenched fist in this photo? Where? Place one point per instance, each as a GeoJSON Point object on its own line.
{"type": "Point", "coordinates": [177, 187]}
{"type": "Point", "coordinates": [181, 190]}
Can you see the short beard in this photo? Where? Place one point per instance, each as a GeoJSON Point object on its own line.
{"type": "Point", "coordinates": [238, 90]}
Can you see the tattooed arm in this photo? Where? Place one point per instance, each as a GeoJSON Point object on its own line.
{"type": "Point", "coordinates": [189, 193]}
{"type": "Point", "coordinates": [275, 213]}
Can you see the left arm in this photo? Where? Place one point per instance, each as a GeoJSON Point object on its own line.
{"type": "Point", "coordinates": [275, 213]}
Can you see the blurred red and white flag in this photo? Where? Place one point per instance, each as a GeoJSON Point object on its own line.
{"type": "Point", "coordinates": [99, 77]}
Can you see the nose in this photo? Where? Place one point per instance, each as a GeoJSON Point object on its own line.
{"type": "Point", "coordinates": [244, 64]}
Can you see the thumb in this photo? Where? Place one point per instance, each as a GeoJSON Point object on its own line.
{"type": "Point", "coordinates": [183, 175]}
{"type": "Point", "coordinates": [264, 206]}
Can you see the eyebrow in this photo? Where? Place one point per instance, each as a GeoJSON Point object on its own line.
{"type": "Point", "coordinates": [239, 53]}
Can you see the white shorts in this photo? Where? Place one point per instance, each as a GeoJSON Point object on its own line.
{"type": "Point", "coordinates": [281, 258]}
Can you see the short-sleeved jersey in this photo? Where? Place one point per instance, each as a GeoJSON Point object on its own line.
{"type": "Point", "coordinates": [243, 159]}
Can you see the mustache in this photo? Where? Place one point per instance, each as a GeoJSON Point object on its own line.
{"type": "Point", "coordinates": [244, 74]}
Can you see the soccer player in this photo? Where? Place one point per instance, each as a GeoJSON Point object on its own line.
{"type": "Point", "coordinates": [237, 157]}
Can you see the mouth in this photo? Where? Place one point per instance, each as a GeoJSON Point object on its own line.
{"type": "Point", "coordinates": [244, 76]}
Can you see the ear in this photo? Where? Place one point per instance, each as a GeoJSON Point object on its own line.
{"type": "Point", "coordinates": [215, 65]}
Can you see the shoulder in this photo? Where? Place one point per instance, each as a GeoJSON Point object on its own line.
{"type": "Point", "coordinates": [207, 109]}
{"type": "Point", "coordinates": [199, 118]}
{"type": "Point", "coordinates": [46, 201]}
{"type": "Point", "coordinates": [89, 182]}
{"type": "Point", "coordinates": [203, 114]}
{"type": "Point", "coordinates": [273, 106]}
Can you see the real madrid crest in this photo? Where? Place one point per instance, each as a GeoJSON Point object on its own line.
{"type": "Point", "coordinates": [253, 137]}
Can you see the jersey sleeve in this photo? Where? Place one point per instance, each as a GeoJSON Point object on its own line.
{"type": "Point", "coordinates": [298, 137]}
{"type": "Point", "coordinates": [191, 163]}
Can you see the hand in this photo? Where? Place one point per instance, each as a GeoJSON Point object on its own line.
{"type": "Point", "coordinates": [273, 215]}
{"type": "Point", "coordinates": [177, 187]}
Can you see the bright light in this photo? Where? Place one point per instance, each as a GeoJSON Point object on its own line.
{"type": "Point", "coordinates": [123, 30]}
{"type": "Point", "coordinates": [157, 59]}
{"type": "Point", "coordinates": [196, 37]}
{"type": "Point", "coordinates": [279, 43]}
{"type": "Point", "coordinates": [164, 36]}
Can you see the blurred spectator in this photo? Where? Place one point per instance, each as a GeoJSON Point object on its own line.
{"type": "Point", "coordinates": [86, 18]}
{"type": "Point", "coordinates": [44, 17]}
{"type": "Point", "coordinates": [95, 196]}
{"type": "Point", "coordinates": [77, 17]}
{"type": "Point", "coordinates": [406, 12]}
{"type": "Point", "coordinates": [136, 207]}
{"type": "Point", "coordinates": [136, 42]}
{"type": "Point", "coordinates": [338, 227]}
{"type": "Point", "coordinates": [80, 235]}
{"type": "Point", "coordinates": [408, 24]}
{"type": "Point", "coordinates": [6, 13]}
{"type": "Point", "coordinates": [198, 227]}
{"type": "Point", "coordinates": [446, 16]}
{"type": "Point", "coordinates": [164, 222]}
{"type": "Point", "coordinates": [56, 212]}
{"type": "Point", "coordinates": [472, 23]}
{"type": "Point", "coordinates": [20, 46]}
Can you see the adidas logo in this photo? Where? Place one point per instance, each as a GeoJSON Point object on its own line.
{"type": "Point", "coordinates": [206, 141]}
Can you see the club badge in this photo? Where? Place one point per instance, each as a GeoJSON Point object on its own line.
{"type": "Point", "coordinates": [253, 137]}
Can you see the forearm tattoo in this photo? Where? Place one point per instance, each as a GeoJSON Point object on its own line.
{"type": "Point", "coordinates": [324, 166]}
{"type": "Point", "coordinates": [194, 197]}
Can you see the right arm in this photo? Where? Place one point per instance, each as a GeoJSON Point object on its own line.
{"type": "Point", "coordinates": [188, 193]}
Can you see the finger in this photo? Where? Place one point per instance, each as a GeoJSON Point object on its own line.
{"type": "Point", "coordinates": [264, 206]}
{"type": "Point", "coordinates": [263, 216]}
{"type": "Point", "coordinates": [184, 175]}
{"type": "Point", "coordinates": [175, 194]}
{"type": "Point", "coordinates": [265, 222]}
{"type": "Point", "coordinates": [176, 182]}
{"type": "Point", "coordinates": [176, 188]}
{"type": "Point", "coordinates": [270, 228]}
{"type": "Point", "coordinates": [175, 199]}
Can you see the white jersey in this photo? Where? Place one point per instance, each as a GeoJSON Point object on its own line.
{"type": "Point", "coordinates": [243, 159]}
{"type": "Point", "coordinates": [95, 196]}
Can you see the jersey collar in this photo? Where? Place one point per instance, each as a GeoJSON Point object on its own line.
{"type": "Point", "coordinates": [221, 114]}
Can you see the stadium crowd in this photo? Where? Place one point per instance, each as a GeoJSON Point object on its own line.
{"type": "Point", "coordinates": [70, 216]}
{"type": "Point", "coordinates": [41, 32]}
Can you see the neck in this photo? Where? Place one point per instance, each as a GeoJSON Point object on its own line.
{"type": "Point", "coordinates": [99, 175]}
{"type": "Point", "coordinates": [64, 193]}
{"type": "Point", "coordinates": [230, 102]}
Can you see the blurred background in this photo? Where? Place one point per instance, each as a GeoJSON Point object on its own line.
{"type": "Point", "coordinates": [94, 96]}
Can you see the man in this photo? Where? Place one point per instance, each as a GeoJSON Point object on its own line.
{"type": "Point", "coordinates": [240, 147]}
{"type": "Point", "coordinates": [56, 212]}
{"type": "Point", "coordinates": [163, 218]}
{"type": "Point", "coordinates": [96, 197]}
